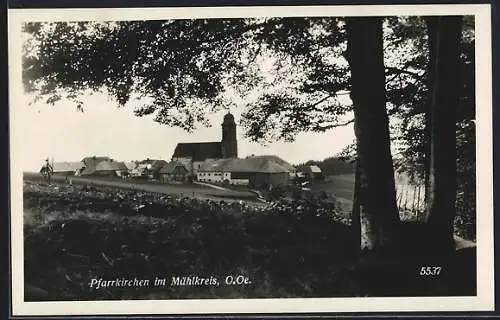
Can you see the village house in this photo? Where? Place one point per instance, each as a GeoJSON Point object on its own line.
{"type": "Point", "coordinates": [111, 168]}
{"type": "Point", "coordinates": [194, 155]}
{"type": "Point", "coordinates": [257, 172]}
{"type": "Point", "coordinates": [140, 170]}
{"type": "Point", "coordinates": [130, 165]}
{"type": "Point", "coordinates": [174, 171]}
{"type": "Point", "coordinates": [311, 172]}
{"type": "Point", "coordinates": [90, 164]}
{"type": "Point", "coordinates": [67, 168]}
{"type": "Point", "coordinates": [151, 168]}
{"type": "Point", "coordinates": [291, 169]}
{"type": "Point", "coordinates": [103, 166]}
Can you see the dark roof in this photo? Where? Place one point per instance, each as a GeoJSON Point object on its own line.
{"type": "Point", "coordinates": [255, 165]}
{"type": "Point", "coordinates": [276, 159]}
{"type": "Point", "coordinates": [94, 159]}
{"type": "Point", "coordinates": [67, 166]}
{"type": "Point", "coordinates": [130, 165]}
{"type": "Point", "coordinates": [156, 165]}
{"type": "Point", "coordinates": [170, 167]}
{"type": "Point", "coordinates": [310, 169]}
{"type": "Point", "coordinates": [110, 166]}
{"type": "Point", "coordinates": [91, 163]}
{"type": "Point", "coordinates": [315, 169]}
{"type": "Point", "coordinates": [198, 151]}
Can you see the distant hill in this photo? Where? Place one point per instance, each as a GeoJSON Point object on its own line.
{"type": "Point", "coordinates": [333, 165]}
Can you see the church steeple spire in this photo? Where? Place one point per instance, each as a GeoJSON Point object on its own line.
{"type": "Point", "coordinates": [229, 141]}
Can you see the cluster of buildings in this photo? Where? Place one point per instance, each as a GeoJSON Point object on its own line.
{"type": "Point", "coordinates": [105, 166]}
{"type": "Point", "coordinates": [211, 162]}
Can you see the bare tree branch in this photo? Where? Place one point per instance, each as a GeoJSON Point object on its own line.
{"type": "Point", "coordinates": [256, 54]}
{"type": "Point", "coordinates": [322, 100]}
{"type": "Point", "coordinates": [342, 124]}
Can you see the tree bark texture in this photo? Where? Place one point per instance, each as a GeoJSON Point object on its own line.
{"type": "Point", "coordinates": [444, 106]}
{"type": "Point", "coordinates": [377, 194]}
{"type": "Point", "coordinates": [356, 207]}
{"type": "Point", "coordinates": [431, 23]}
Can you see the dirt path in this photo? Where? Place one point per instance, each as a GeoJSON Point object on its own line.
{"type": "Point", "coordinates": [211, 186]}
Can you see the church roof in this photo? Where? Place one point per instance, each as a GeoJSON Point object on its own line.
{"type": "Point", "coordinates": [198, 151]}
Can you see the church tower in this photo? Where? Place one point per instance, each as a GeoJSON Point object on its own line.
{"type": "Point", "coordinates": [229, 142]}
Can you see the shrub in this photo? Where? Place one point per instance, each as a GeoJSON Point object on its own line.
{"type": "Point", "coordinates": [119, 232]}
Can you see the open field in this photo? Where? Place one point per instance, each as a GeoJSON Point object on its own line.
{"type": "Point", "coordinates": [410, 200]}
{"type": "Point", "coordinates": [192, 190]}
{"type": "Point", "coordinates": [342, 186]}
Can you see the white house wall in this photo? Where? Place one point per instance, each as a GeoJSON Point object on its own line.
{"type": "Point", "coordinates": [135, 172]}
{"type": "Point", "coordinates": [218, 177]}
{"type": "Point", "coordinates": [240, 182]}
{"type": "Point", "coordinates": [210, 176]}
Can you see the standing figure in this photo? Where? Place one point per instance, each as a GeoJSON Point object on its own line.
{"type": "Point", "coordinates": [47, 171]}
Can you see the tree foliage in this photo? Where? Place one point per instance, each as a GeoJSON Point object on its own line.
{"type": "Point", "coordinates": [181, 68]}
{"type": "Point", "coordinates": [409, 95]}
{"type": "Point", "coordinates": [292, 73]}
{"type": "Point", "coordinates": [177, 67]}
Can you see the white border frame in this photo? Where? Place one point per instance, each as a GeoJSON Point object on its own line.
{"type": "Point", "coordinates": [484, 301]}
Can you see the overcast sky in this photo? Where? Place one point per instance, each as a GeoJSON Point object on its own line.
{"type": "Point", "coordinates": [62, 133]}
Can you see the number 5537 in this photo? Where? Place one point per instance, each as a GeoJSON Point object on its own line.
{"type": "Point", "coordinates": [430, 271]}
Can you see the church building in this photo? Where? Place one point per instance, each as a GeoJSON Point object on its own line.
{"type": "Point", "coordinates": [193, 155]}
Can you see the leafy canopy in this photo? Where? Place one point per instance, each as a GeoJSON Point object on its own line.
{"type": "Point", "coordinates": [290, 72]}
{"type": "Point", "coordinates": [180, 69]}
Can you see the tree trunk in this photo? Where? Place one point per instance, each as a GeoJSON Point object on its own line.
{"type": "Point", "coordinates": [370, 236]}
{"type": "Point", "coordinates": [356, 207]}
{"type": "Point", "coordinates": [444, 105]}
{"type": "Point", "coordinates": [431, 32]}
{"type": "Point", "coordinates": [377, 193]}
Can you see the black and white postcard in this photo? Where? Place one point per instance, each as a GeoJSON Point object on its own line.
{"type": "Point", "coordinates": [251, 159]}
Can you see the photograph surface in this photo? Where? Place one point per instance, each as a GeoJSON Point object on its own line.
{"type": "Point", "coordinates": [229, 157]}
